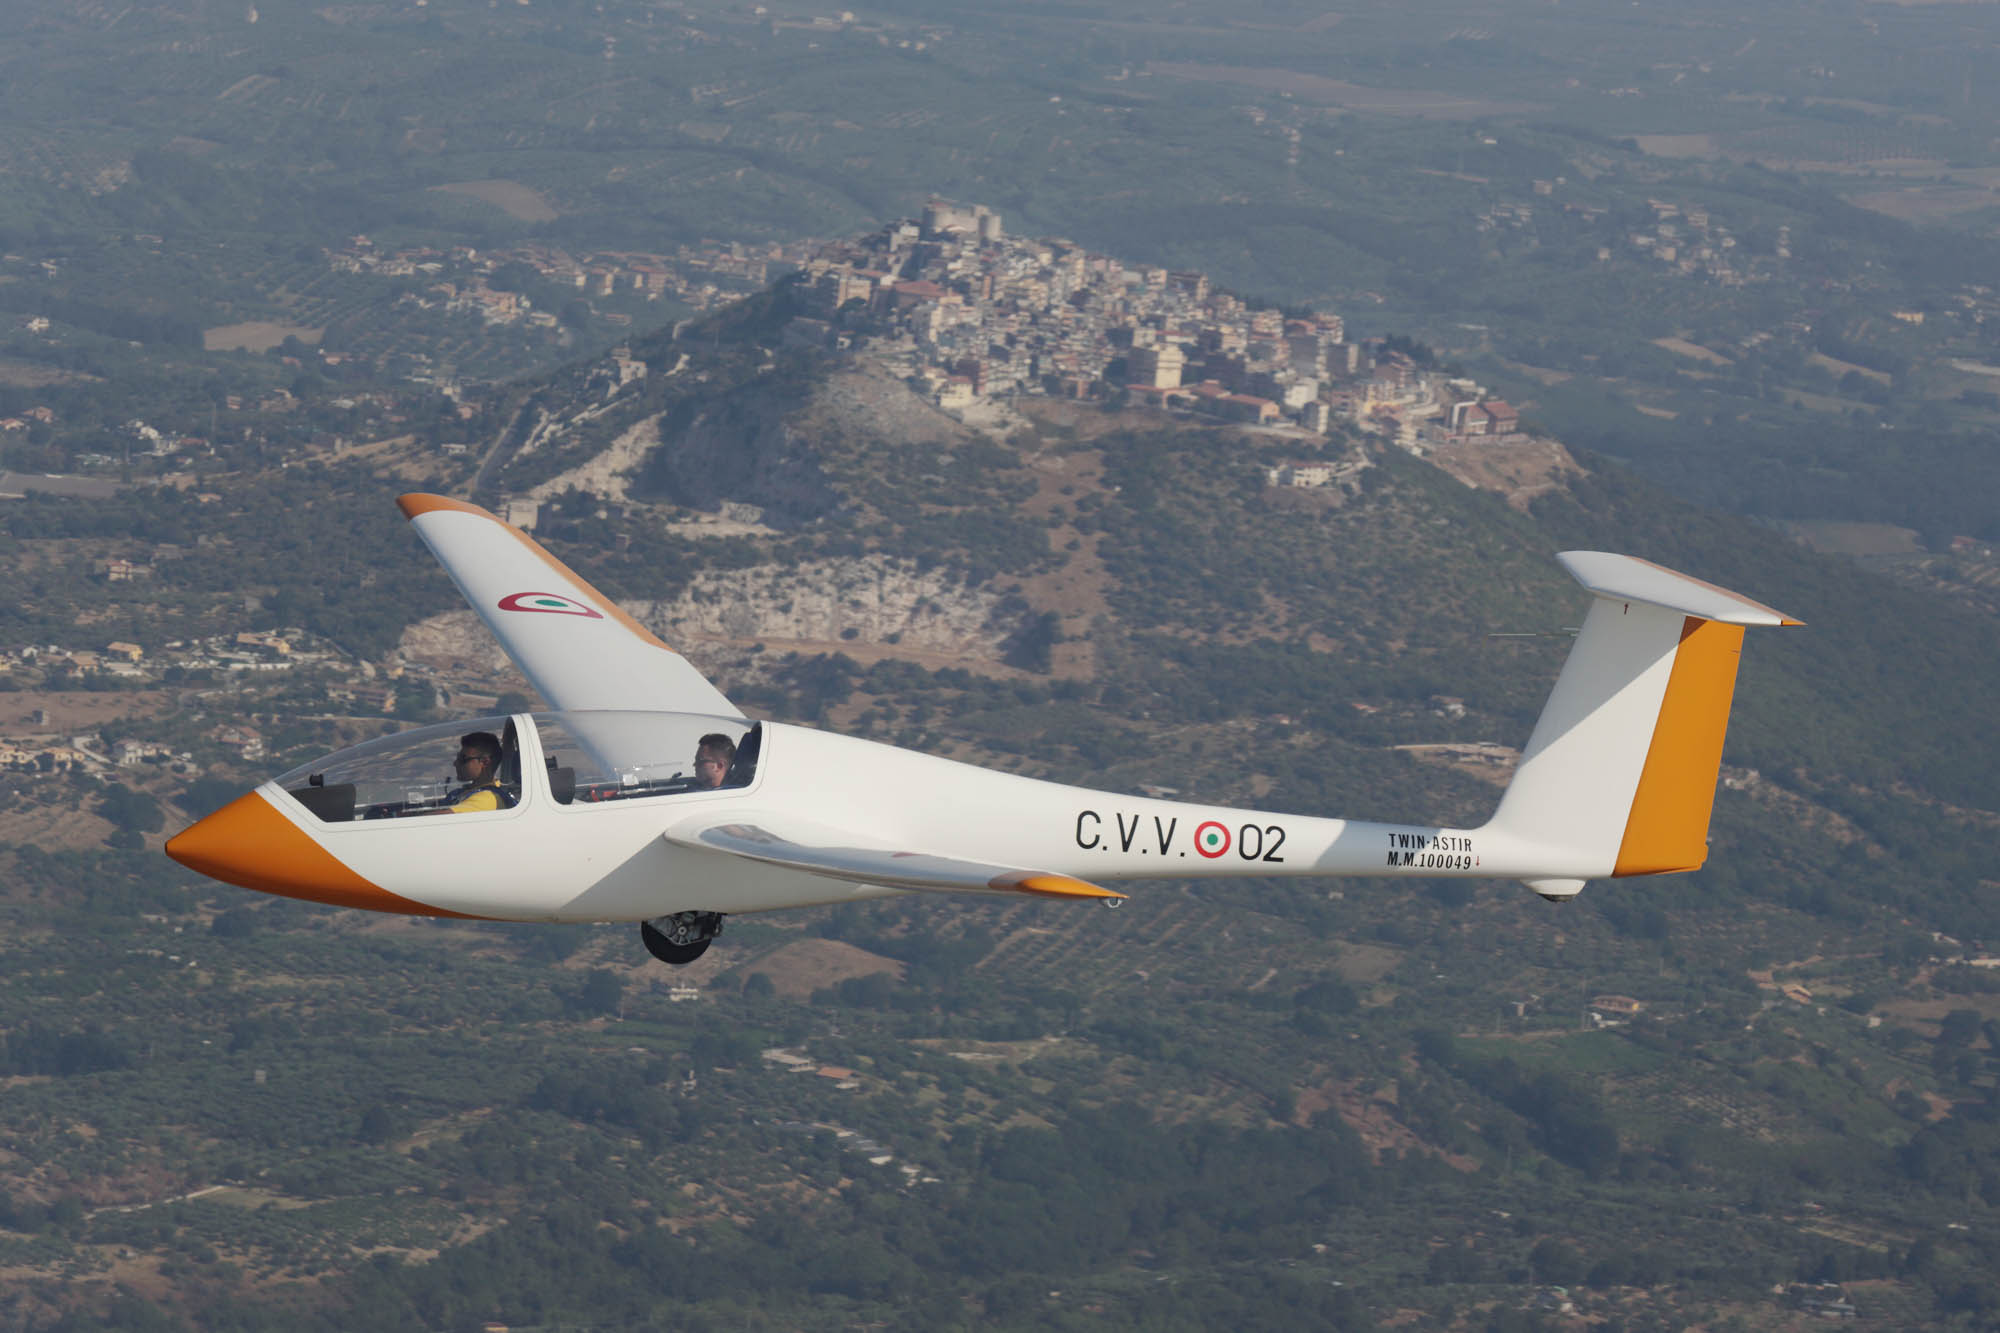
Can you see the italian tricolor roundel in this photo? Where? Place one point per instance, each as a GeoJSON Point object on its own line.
{"type": "Point", "coordinates": [1211, 839]}
{"type": "Point", "coordinates": [552, 603]}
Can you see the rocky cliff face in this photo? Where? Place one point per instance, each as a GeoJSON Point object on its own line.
{"type": "Point", "coordinates": [866, 599]}
{"type": "Point", "coordinates": [869, 399]}
{"type": "Point", "coordinates": [608, 474]}
{"type": "Point", "coordinates": [772, 444]}
{"type": "Point", "coordinates": [454, 642]}
{"type": "Point", "coordinates": [743, 447]}
{"type": "Point", "coordinates": [874, 599]}
{"type": "Point", "coordinates": [768, 453]}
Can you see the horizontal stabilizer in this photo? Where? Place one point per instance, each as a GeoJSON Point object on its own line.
{"type": "Point", "coordinates": [1627, 578]}
{"type": "Point", "coordinates": [880, 865]}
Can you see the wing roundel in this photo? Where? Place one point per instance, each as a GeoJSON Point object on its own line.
{"type": "Point", "coordinates": [574, 644]}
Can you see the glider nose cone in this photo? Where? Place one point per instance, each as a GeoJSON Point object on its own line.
{"type": "Point", "coordinates": [242, 843]}
{"type": "Point", "coordinates": [251, 844]}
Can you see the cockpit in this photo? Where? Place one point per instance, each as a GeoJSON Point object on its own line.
{"type": "Point", "coordinates": [576, 758]}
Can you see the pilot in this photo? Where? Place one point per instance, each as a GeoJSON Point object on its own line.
{"type": "Point", "coordinates": [478, 770]}
{"type": "Point", "coordinates": [713, 755]}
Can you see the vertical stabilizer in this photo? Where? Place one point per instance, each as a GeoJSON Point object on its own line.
{"type": "Point", "coordinates": [1619, 775]}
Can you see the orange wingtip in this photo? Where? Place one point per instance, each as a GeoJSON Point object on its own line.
{"type": "Point", "coordinates": [1052, 886]}
{"type": "Point", "coordinates": [417, 502]}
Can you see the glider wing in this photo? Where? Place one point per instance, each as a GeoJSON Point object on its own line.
{"type": "Point", "coordinates": [884, 866]}
{"type": "Point", "coordinates": [575, 646]}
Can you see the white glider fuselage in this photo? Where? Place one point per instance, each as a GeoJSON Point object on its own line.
{"type": "Point", "coordinates": [618, 860]}
{"type": "Point", "coordinates": [601, 817]}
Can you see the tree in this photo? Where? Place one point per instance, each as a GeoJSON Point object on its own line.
{"type": "Point", "coordinates": [378, 1124]}
{"type": "Point", "coordinates": [234, 924]}
{"type": "Point", "coordinates": [132, 811]}
{"type": "Point", "coordinates": [416, 701]}
{"type": "Point", "coordinates": [602, 993]}
{"type": "Point", "coordinates": [1327, 996]}
{"type": "Point", "coordinates": [67, 1213]}
{"type": "Point", "coordinates": [1029, 646]}
{"type": "Point", "coordinates": [1555, 1261]}
{"type": "Point", "coordinates": [204, 796]}
{"type": "Point", "coordinates": [1959, 1028]}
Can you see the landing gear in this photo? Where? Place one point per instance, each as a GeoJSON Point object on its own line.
{"type": "Point", "coordinates": [682, 937]}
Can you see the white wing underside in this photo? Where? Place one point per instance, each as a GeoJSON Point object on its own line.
{"type": "Point", "coordinates": [575, 646]}
{"type": "Point", "coordinates": [884, 866]}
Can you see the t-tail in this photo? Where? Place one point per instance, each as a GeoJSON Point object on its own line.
{"type": "Point", "coordinates": [1619, 776]}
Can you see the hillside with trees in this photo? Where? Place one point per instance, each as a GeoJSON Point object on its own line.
{"type": "Point", "coordinates": [1251, 1103]}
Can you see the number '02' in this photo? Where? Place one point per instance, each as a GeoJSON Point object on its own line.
{"type": "Point", "coordinates": [1250, 843]}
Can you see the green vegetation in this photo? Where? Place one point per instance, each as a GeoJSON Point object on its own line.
{"type": "Point", "coordinates": [1212, 1105]}
{"type": "Point", "coordinates": [1238, 1104]}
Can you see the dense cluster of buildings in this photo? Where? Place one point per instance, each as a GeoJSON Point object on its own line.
{"type": "Point", "coordinates": [1686, 240]}
{"type": "Point", "coordinates": [245, 651]}
{"type": "Point", "coordinates": [340, 682]}
{"type": "Point", "coordinates": [41, 749]}
{"type": "Point", "coordinates": [1682, 236]}
{"type": "Point", "coordinates": [958, 307]}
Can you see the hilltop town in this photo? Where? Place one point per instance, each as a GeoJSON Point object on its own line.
{"type": "Point", "coordinates": [971, 316]}
{"type": "Point", "coordinates": [949, 304]}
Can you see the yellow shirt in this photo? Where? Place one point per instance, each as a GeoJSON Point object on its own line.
{"type": "Point", "coordinates": [482, 798]}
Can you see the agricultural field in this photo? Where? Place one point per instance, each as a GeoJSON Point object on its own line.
{"type": "Point", "coordinates": [1445, 1097]}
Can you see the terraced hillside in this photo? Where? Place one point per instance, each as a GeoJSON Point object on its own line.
{"type": "Point", "coordinates": [1263, 1103]}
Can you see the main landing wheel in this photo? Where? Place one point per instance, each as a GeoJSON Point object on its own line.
{"type": "Point", "coordinates": [681, 938]}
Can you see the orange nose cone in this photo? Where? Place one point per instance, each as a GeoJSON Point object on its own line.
{"type": "Point", "coordinates": [248, 843]}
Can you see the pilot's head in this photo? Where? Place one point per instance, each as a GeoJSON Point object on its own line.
{"type": "Point", "coordinates": [713, 755]}
{"type": "Point", "coordinates": [478, 757]}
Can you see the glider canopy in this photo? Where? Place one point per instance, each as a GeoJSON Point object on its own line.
{"type": "Point", "coordinates": [589, 757]}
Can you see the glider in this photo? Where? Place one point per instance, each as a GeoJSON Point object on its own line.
{"type": "Point", "coordinates": [597, 810]}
